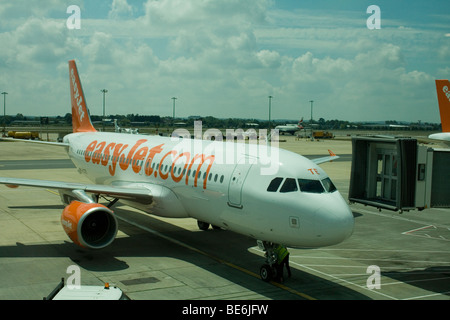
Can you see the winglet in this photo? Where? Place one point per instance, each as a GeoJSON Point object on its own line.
{"type": "Point", "coordinates": [329, 158]}
{"type": "Point", "coordinates": [81, 121]}
{"type": "Point", "coordinates": [443, 95]}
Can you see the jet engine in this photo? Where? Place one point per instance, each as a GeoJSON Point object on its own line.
{"type": "Point", "coordinates": [89, 225]}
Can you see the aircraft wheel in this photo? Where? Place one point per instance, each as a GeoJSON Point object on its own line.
{"type": "Point", "coordinates": [265, 272]}
{"type": "Point", "coordinates": [203, 225]}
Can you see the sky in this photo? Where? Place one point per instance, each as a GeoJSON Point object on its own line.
{"type": "Point", "coordinates": [224, 58]}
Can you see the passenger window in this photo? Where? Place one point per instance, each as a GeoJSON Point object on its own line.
{"type": "Point", "coordinates": [311, 186]}
{"type": "Point", "coordinates": [274, 184]}
{"type": "Point", "coordinates": [290, 185]}
{"type": "Point", "coordinates": [328, 185]}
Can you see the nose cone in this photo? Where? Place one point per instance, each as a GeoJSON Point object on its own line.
{"type": "Point", "coordinates": [334, 220]}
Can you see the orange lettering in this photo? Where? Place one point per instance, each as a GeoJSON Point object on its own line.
{"type": "Point", "coordinates": [105, 159]}
{"type": "Point", "coordinates": [117, 151]}
{"type": "Point", "coordinates": [211, 159]}
{"type": "Point", "coordinates": [203, 159]}
{"type": "Point", "coordinates": [139, 155]}
{"type": "Point", "coordinates": [89, 149]}
{"type": "Point", "coordinates": [123, 163]}
{"type": "Point", "coordinates": [178, 179]}
{"type": "Point", "coordinates": [101, 153]}
{"type": "Point", "coordinates": [97, 153]}
{"type": "Point", "coordinates": [148, 162]}
{"type": "Point", "coordinates": [165, 175]}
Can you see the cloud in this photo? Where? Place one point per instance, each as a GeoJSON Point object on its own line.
{"type": "Point", "coordinates": [222, 58]}
{"type": "Point", "coordinates": [120, 9]}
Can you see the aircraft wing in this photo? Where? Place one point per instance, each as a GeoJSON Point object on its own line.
{"type": "Point", "coordinates": [331, 157]}
{"type": "Point", "coordinates": [58, 144]}
{"type": "Point", "coordinates": [136, 193]}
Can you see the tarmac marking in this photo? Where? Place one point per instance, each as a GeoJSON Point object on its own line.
{"type": "Point", "coordinates": [279, 285]}
{"type": "Point", "coordinates": [432, 228]}
{"type": "Point", "coordinates": [365, 259]}
{"type": "Point", "coordinates": [428, 295]}
{"type": "Point", "coordinates": [418, 229]}
{"type": "Point", "coordinates": [338, 279]}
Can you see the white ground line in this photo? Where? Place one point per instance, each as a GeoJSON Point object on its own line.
{"type": "Point", "coordinates": [369, 259]}
{"type": "Point", "coordinates": [334, 277]}
{"type": "Point", "coordinates": [344, 281]}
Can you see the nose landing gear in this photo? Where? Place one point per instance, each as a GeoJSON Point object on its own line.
{"type": "Point", "coordinates": [268, 270]}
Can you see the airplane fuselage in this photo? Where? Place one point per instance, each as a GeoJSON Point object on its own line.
{"type": "Point", "coordinates": [225, 184]}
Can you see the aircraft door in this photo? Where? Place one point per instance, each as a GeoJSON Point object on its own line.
{"type": "Point", "coordinates": [237, 180]}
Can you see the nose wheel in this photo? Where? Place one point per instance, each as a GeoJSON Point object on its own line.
{"type": "Point", "coordinates": [268, 270]}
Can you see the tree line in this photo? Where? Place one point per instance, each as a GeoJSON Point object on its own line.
{"type": "Point", "coordinates": [137, 120]}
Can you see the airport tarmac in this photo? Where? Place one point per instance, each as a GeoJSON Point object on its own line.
{"type": "Point", "coordinates": [171, 259]}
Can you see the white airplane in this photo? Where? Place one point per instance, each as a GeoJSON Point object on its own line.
{"type": "Point", "coordinates": [290, 128]}
{"type": "Point", "coordinates": [124, 130]}
{"type": "Point", "coordinates": [443, 95]}
{"type": "Point", "coordinates": [296, 205]}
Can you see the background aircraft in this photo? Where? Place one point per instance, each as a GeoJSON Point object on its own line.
{"type": "Point", "coordinates": [290, 128]}
{"type": "Point", "coordinates": [443, 95]}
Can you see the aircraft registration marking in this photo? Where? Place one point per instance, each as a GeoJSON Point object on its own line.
{"type": "Point", "coordinates": [314, 171]}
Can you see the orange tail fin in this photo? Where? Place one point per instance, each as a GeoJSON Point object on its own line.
{"type": "Point", "coordinates": [81, 121]}
{"type": "Point", "coordinates": [443, 94]}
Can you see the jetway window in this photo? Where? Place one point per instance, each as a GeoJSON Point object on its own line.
{"type": "Point", "coordinates": [386, 188]}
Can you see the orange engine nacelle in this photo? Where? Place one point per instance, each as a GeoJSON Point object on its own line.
{"type": "Point", "coordinates": [89, 225]}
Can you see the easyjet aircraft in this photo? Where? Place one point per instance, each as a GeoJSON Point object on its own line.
{"type": "Point", "coordinates": [267, 193]}
{"type": "Point", "coordinates": [443, 95]}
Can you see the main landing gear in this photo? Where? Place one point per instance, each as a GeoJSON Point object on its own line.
{"type": "Point", "coordinates": [268, 270]}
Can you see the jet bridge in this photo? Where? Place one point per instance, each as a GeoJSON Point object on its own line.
{"type": "Point", "coordinates": [398, 174]}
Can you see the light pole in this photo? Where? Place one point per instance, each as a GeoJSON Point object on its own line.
{"type": "Point", "coordinates": [103, 118]}
{"type": "Point", "coordinates": [173, 111]}
{"type": "Point", "coordinates": [270, 111]}
{"type": "Point", "coordinates": [4, 112]}
{"type": "Point", "coordinates": [311, 101]}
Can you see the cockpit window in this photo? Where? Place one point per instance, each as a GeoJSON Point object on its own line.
{"type": "Point", "coordinates": [274, 184]}
{"type": "Point", "coordinates": [305, 185]}
{"type": "Point", "coordinates": [290, 185]}
{"type": "Point", "coordinates": [328, 185]}
{"type": "Point", "coordinates": [311, 186]}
